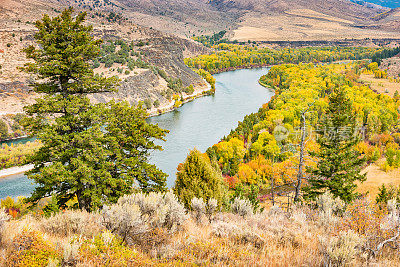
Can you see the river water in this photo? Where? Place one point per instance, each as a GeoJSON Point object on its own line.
{"type": "Point", "coordinates": [200, 123]}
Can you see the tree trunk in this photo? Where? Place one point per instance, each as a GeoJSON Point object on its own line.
{"type": "Point", "coordinates": [301, 161]}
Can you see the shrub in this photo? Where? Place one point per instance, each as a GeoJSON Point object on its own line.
{"type": "Point", "coordinates": [329, 207]}
{"type": "Point", "coordinates": [367, 220]}
{"type": "Point", "coordinates": [177, 104]}
{"type": "Point", "coordinates": [211, 208]}
{"type": "Point", "coordinates": [31, 249]}
{"type": "Point", "coordinates": [105, 249]}
{"type": "Point", "coordinates": [147, 103]}
{"type": "Point", "coordinates": [14, 208]}
{"type": "Point", "coordinates": [156, 103]}
{"type": "Point", "coordinates": [250, 192]}
{"type": "Point", "coordinates": [71, 222]}
{"type": "Point", "coordinates": [223, 229]}
{"type": "Point", "coordinates": [242, 207]}
{"type": "Point", "coordinates": [96, 64]}
{"type": "Point", "coordinates": [327, 203]}
{"type": "Point", "coordinates": [341, 250]}
{"type": "Point", "coordinates": [4, 217]}
{"type": "Point", "coordinates": [240, 234]}
{"type": "Point", "coordinates": [162, 73]}
{"type": "Point", "coordinates": [124, 220]}
{"type": "Point", "coordinates": [387, 193]}
{"type": "Point", "coordinates": [189, 90]}
{"type": "Point", "coordinates": [393, 157]}
{"type": "Point", "coordinates": [15, 155]}
{"type": "Point", "coordinates": [71, 252]}
{"type": "Point", "coordinates": [371, 153]}
{"type": "Point", "coordinates": [138, 214]}
{"type": "Point", "coordinates": [198, 207]}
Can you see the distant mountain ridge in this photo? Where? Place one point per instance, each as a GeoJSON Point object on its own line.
{"type": "Point", "coordinates": [244, 20]}
{"type": "Point", "coordinates": [384, 3]}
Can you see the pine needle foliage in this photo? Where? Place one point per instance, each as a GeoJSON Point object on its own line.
{"type": "Point", "coordinates": [94, 152]}
{"type": "Point", "coordinates": [339, 164]}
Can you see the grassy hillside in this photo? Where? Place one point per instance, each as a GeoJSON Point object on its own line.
{"type": "Point", "coordinates": [156, 230]}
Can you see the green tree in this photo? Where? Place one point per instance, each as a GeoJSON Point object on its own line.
{"type": "Point", "coordinates": [196, 177]}
{"type": "Point", "coordinates": [95, 153]}
{"type": "Point", "coordinates": [387, 193]}
{"type": "Point", "coordinates": [339, 164]}
{"type": "Point", "coordinates": [3, 130]}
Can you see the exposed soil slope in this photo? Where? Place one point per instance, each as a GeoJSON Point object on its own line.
{"type": "Point", "coordinates": [164, 51]}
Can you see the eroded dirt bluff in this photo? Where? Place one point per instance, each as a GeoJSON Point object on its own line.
{"type": "Point", "coordinates": [166, 53]}
{"type": "Point", "coordinates": [161, 51]}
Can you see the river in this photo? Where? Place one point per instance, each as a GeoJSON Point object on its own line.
{"type": "Point", "coordinates": [200, 123]}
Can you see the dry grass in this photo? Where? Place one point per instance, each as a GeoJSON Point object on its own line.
{"type": "Point", "coordinates": [376, 177]}
{"type": "Point", "coordinates": [308, 13]}
{"type": "Point", "coordinates": [298, 26]}
{"type": "Point", "coordinates": [383, 86]}
{"type": "Point", "coordinates": [301, 237]}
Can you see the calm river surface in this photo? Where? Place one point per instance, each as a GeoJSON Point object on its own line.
{"type": "Point", "coordinates": [200, 123]}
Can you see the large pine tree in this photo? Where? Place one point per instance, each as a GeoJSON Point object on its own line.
{"type": "Point", "coordinates": [339, 164]}
{"type": "Point", "coordinates": [94, 152]}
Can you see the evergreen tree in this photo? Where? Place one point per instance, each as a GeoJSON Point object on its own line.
{"type": "Point", "coordinates": [383, 195]}
{"type": "Point", "coordinates": [387, 193]}
{"type": "Point", "coordinates": [3, 130]}
{"type": "Point", "coordinates": [196, 177]}
{"type": "Point", "coordinates": [339, 164]}
{"type": "Point", "coordinates": [94, 152]}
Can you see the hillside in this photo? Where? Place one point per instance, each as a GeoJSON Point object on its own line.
{"type": "Point", "coordinates": [253, 19]}
{"type": "Point", "coordinates": [287, 20]}
{"type": "Point", "coordinates": [157, 24]}
{"type": "Point", "coordinates": [160, 56]}
{"type": "Point", "coordinates": [277, 20]}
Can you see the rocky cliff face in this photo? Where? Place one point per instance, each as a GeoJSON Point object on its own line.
{"type": "Point", "coordinates": [168, 54]}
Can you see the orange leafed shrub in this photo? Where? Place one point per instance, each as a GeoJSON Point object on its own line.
{"type": "Point", "coordinates": [30, 249]}
{"type": "Point", "coordinates": [372, 153]}
{"type": "Point", "coordinates": [232, 181]}
{"type": "Point", "coordinates": [381, 139]}
{"type": "Point", "coordinates": [367, 219]}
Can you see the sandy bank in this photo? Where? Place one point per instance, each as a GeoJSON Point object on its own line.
{"type": "Point", "coordinates": [15, 170]}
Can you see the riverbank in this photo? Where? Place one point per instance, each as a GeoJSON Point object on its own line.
{"type": "Point", "coordinates": [4, 141]}
{"type": "Point", "coordinates": [203, 91]}
{"type": "Point", "coordinates": [199, 124]}
{"type": "Point", "coordinates": [218, 71]}
{"type": "Point", "coordinates": [15, 170]}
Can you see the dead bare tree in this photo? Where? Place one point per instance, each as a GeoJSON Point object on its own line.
{"type": "Point", "coordinates": [303, 141]}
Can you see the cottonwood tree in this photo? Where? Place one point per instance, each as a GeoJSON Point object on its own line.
{"type": "Point", "coordinates": [94, 152]}
{"type": "Point", "coordinates": [339, 164]}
